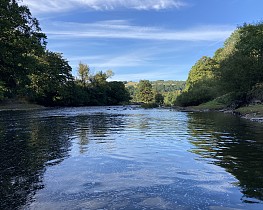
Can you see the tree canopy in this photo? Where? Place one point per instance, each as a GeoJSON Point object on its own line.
{"type": "Point", "coordinates": [29, 70]}
{"type": "Point", "coordinates": [236, 69]}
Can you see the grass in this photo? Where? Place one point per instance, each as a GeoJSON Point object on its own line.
{"type": "Point", "coordinates": [211, 105]}
{"type": "Point", "coordinates": [251, 109]}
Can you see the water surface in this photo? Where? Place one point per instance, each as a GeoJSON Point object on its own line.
{"type": "Point", "coordinates": [129, 158]}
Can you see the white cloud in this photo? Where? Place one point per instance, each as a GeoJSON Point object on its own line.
{"type": "Point", "coordinates": [130, 59]}
{"type": "Point", "coordinates": [121, 29]}
{"type": "Point", "coordinates": [152, 75]}
{"type": "Point", "coordinates": [48, 6]}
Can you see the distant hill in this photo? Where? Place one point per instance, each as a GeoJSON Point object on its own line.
{"type": "Point", "coordinates": [162, 86]}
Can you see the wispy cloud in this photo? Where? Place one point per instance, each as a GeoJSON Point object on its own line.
{"type": "Point", "coordinates": [47, 6]}
{"type": "Point", "coordinates": [152, 75]}
{"type": "Point", "coordinates": [122, 29]}
{"type": "Point", "coordinates": [125, 59]}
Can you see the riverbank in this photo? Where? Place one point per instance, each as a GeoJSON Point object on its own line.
{"type": "Point", "coordinates": [250, 112]}
{"type": "Point", "coordinates": [253, 112]}
{"type": "Point", "coordinates": [18, 104]}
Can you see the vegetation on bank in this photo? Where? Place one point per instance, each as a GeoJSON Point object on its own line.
{"type": "Point", "coordinates": [233, 77]}
{"type": "Point", "coordinates": [155, 93]}
{"type": "Point", "coordinates": [30, 71]}
{"type": "Point", "coordinates": [251, 111]}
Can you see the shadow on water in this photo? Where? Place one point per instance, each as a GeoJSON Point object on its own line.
{"type": "Point", "coordinates": [28, 145]}
{"type": "Point", "coordinates": [234, 144]}
{"type": "Point", "coordinates": [31, 141]}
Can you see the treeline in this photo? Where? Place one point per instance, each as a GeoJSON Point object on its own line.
{"type": "Point", "coordinates": [233, 76]}
{"type": "Point", "coordinates": [155, 92]}
{"type": "Point", "coordinates": [29, 70]}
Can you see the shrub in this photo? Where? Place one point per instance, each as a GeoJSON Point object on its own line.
{"type": "Point", "coordinates": [256, 93]}
{"type": "Point", "coordinates": [2, 91]}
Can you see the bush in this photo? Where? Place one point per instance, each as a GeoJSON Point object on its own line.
{"type": "Point", "coordinates": [195, 96]}
{"type": "Point", "coordinates": [149, 105]}
{"type": "Point", "coordinates": [256, 93]}
{"type": "Point", "coordinates": [2, 91]}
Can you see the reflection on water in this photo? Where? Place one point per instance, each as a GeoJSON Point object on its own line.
{"type": "Point", "coordinates": [129, 158]}
{"type": "Point", "coordinates": [234, 144]}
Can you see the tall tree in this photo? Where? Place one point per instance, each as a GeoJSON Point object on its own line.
{"type": "Point", "coordinates": [145, 92]}
{"type": "Point", "coordinates": [200, 86]}
{"type": "Point", "coordinates": [242, 68]}
{"type": "Point", "coordinates": [83, 72]}
{"type": "Point", "coordinates": [52, 80]}
{"type": "Point", "coordinates": [21, 41]}
{"type": "Point", "coordinates": [117, 93]}
{"type": "Point", "coordinates": [201, 71]}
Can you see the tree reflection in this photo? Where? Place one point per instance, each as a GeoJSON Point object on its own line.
{"type": "Point", "coordinates": [28, 144]}
{"type": "Point", "coordinates": [98, 128]}
{"type": "Point", "coordinates": [234, 144]}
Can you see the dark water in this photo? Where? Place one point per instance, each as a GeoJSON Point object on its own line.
{"type": "Point", "coordinates": [129, 158]}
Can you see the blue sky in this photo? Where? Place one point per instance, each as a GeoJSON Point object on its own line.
{"type": "Point", "coordinates": [141, 39]}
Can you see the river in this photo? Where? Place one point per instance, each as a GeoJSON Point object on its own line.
{"type": "Point", "coordinates": [129, 158]}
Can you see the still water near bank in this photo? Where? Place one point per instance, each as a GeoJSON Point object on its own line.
{"type": "Point", "coordinates": [129, 158]}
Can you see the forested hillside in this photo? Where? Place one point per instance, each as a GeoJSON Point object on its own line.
{"type": "Point", "coordinates": [233, 76]}
{"type": "Point", "coordinates": [30, 71]}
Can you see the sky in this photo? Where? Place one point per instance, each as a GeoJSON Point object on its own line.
{"type": "Point", "coordinates": [140, 39]}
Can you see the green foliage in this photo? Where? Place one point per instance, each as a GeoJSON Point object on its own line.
{"type": "Point", "coordinates": [161, 86]}
{"type": "Point", "coordinates": [98, 91]}
{"type": "Point", "coordinates": [159, 99]}
{"type": "Point", "coordinates": [234, 71]}
{"type": "Point", "coordinates": [226, 99]}
{"type": "Point", "coordinates": [2, 91]}
{"type": "Point", "coordinates": [83, 72]}
{"type": "Point", "coordinates": [256, 93]}
{"type": "Point", "coordinates": [28, 70]}
{"type": "Point", "coordinates": [145, 92]}
{"type": "Point", "coordinates": [21, 40]}
{"type": "Point", "coordinates": [117, 93]}
{"type": "Point", "coordinates": [149, 105]}
{"type": "Point", "coordinates": [170, 98]}
{"type": "Point", "coordinates": [211, 105]}
{"type": "Point", "coordinates": [200, 93]}
{"type": "Point", "coordinates": [164, 92]}
{"type": "Point", "coordinates": [242, 68]}
{"type": "Point", "coordinates": [132, 91]}
{"type": "Point", "coordinates": [251, 109]}
{"type": "Point", "coordinates": [201, 71]}
{"type": "Point", "coordinates": [200, 86]}
{"type": "Point", "coordinates": [51, 80]}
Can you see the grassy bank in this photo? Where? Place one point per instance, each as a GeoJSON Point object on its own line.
{"type": "Point", "coordinates": [251, 112]}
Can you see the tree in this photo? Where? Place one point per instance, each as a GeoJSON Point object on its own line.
{"type": "Point", "coordinates": [52, 80]}
{"type": "Point", "coordinates": [159, 98]}
{"type": "Point", "coordinates": [144, 91]}
{"type": "Point", "coordinates": [21, 42]}
{"type": "Point", "coordinates": [170, 98]}
{"type": "Point", "coordinates": [99, 87]}
{"type": "Point", "coordinates": [83, 71]}
{"type": "Point", "coordinates": [117, 93]}
{"type": "Point", "coordinates": [201, 84]}
{"type": "Point", "coordinates": [202, 70]}
{"type": "Point", "coordinates": [242, 68]}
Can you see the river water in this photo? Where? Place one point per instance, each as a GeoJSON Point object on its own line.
{"type": "Point", "coordinates": [129, 158]}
